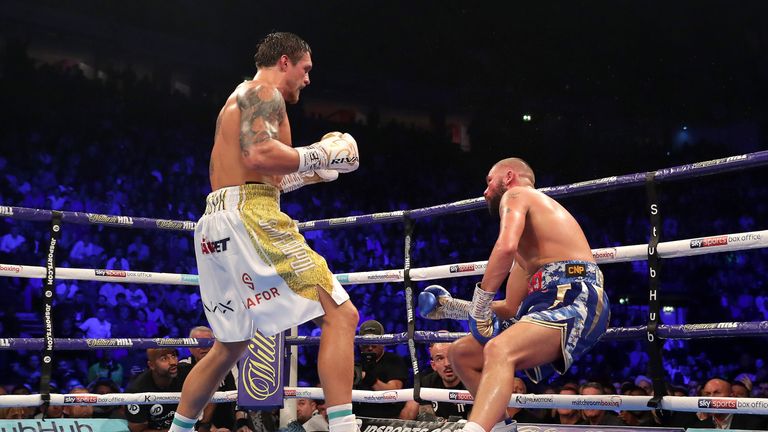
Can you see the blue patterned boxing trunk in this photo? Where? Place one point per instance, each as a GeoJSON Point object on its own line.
{"type": "Point", "coordinates": [569, 296]}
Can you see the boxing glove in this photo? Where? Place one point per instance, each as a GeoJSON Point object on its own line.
{"type": "Point", "coordinates": [335, 151]}
{"type": "Point", "coordinates": [293, 181]}
{"type": "Point", "coordinates": [435, 302]}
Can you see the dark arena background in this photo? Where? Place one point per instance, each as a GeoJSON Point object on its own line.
{"type": "Point", "coordinates": [109, 108]}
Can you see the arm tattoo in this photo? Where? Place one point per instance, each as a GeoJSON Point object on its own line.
{"type": "Point", "coordinates": [262, 109]}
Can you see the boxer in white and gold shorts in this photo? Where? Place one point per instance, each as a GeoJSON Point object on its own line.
{"type": "Point", "coordinates": [256, 270]}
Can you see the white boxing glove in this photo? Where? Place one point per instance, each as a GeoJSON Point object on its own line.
{"type": "Point", "coordinates": [336, 151]}
{"type": "Point", "coordinates": [293, 181]}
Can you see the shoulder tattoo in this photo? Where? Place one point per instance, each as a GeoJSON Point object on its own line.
{"type": "Point", "coordinates": [262, 110]}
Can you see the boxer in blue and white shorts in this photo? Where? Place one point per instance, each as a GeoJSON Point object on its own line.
{"type": "Point", "coordinates": [555, 302]}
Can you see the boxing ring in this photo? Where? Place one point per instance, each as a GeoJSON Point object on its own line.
{"type": "Point", "coordinates": [654, 332]}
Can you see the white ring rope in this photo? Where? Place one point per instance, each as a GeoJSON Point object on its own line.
{"type": "Point", "coordinates": [671, 249]}
{"type": "Point", "coordinates": [599, 402]}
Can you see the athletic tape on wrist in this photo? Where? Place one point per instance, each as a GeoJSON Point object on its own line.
{"type": "Point", "coordinates": [291, 182]}
{"type": "Point", "coordinates": [480, 309]}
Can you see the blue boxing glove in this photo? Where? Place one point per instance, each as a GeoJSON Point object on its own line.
{"type": "Point", "coordinates": [435, 302]}
{"type": "Point", "coordinates": [483, 323]}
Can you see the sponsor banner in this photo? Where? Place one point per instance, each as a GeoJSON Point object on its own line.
{"type": "Point", "coordinates": [109, 220]}
{"type": "Point", "coordinates": [709, 242]}
{"type": "Point", "coordinates": [5, 342]}
{"type": "Point", "coordinates": [6, 211]}
{"type": "Point", "coordinates": [97, 343]}
{"type": "Point", "coordinates": [11, 268]}
{"type": "Point", "coordinates": [723, 240]}
{"type": "Point", "coordinates": [527, 399]}
{"type": "Point", "coordinates": [175, 341]}
{"type": "Point", "coordinates": [80, 399]}
{"type": "Point", "coordinates": [110, 273]}
{"type": "Point", "coordinates": [341, 221]}
{"type": "Point", "coordinates": [718, 403]}
{"type": "Point", "coordinates": [718, 161]}
{"type": "Point", "coordinates": [111, 399]}
{"type": "Point", "coordinates": [460, 396]}
{"type": "Point", "coordinates": [175, 225]}
{"type": "Point", "coordinates": [387, 396]}
{"type": "Point", "coordinates": [711, 326]}
{"type": "Point", "coordinates": [459, 268]}
{"type": "Point", "coordinates": [64, 424]}
{"type": "Point", "coordinates": [612, 401]}
{"type": "Point", "coordinates": [260, 381]}
{"type": "Point", "coordinates": [604, 254]}
{"type": "Point", "coordinates": [392, 425]}
{"type": "Point", "coordinates": [387, 215]}
{"type": "Point", "coordinates": [389, 276]}
{"type": "Point", "coordinates": [343, 278]}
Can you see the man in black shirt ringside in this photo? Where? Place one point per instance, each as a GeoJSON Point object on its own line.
{"type": "Point", "coordinates": [165, 374]}
{"type": "Point", "coordinates": [379, 371]}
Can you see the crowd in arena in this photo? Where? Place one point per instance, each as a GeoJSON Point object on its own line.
{"type": "Point", "coordinates": [129, 147]}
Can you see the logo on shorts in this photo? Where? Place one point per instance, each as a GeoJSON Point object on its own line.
{"type": "Point", "coordinates": [219, 307]}
{"type": "Point", "coordinates": [263, 296]}
{"type": "Point", "coordinates": [215, 246]}
{"type": "Point", "coordinates": [575, 270]}
{"type": "Point", "coordinates": [248, 281]}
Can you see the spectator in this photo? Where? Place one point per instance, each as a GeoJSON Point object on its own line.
{"type": "Point", "coordinates": [636, 418]}
{"type": "Point", "coordinates": [139, 249]}
{"type": "Point", "coordinates": [11, 241]}
{"type": "Point", "coordinates": [80, 309]}
{"type": "Point", "coordinates": [566, 416]}
{"type": "Point", "coordinates": [441, 377]}
{"type": "Point", "coordinates": [110, 290]}
{"type": "Point", "coordinates": [78, 411]}
{"type": "Point", "coordinates": [97, 327]}
{"type": "Point", "coordinates": [106, 368]}
{"type": "Point", "coordinates": [84, 250]}
{"type": "Point", "coordinates": [308, 415]}
{"type": "Point", "coordinates": [106, 386]}
{"type": "Point", "coordinates": [165, 374]}
{"type": "Point", "coordinates": [378, 370]}
{"type": "Point", "coordinates": [521, 415]}
{"type": "Point", "coordinates": [66, 290]}
{"type": "Point", "coordinates": [136, 297]}
{"type": "Point", "coordinates": [143, 326]}
{"type": "Point", "coordinates": [125, 323]}
{"type": "Point", "coordinates": [154, 313]}
{"type": "Point", "coordinates": [118, 261]}
{"type": "Point", "coordinates": [597, 416]}
{"type": "Point", "coordinates": [717, 387]}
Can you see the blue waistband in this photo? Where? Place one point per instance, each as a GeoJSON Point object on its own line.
{"type": "Point", "coordinates": [561, 272]}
